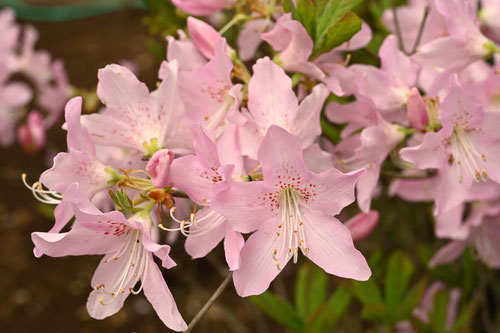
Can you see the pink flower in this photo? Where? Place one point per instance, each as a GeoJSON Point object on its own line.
{"type": "Point", "coordinates": [80, 164]}
{"type": "Point", "coordinates": [367, 150]}
{"type": "Point", "coordinates": [291, 210]}
{"type": "Point", "coordinates": [463, 45]}
{"type": "Point", "coordinates": [272, 101]}
{"type": "Point", "coordinates": [128, 260]}
{"type": "Point", "coordinates": [13, 96]}
{"type": "Point", "coordinates": [134, 118]}
{"type": "Point", "coordinates": [291, 39]}
{"type": "Point", "coordinates": [465, 150]}
{"type": "Point", "coordinates": [199, 176]}
{"type": "Point", "coordinates": [31, 135]}
{"type": "Point", "coordinates": [202, 7]}
{"type": "Point", "coordinates": [10, 31]}
{"type": "Point", "coordinates": [482, 231]}
{"type": "Point", "coordinates": [389, 86]}
{"type": "Point", "coordinates": [159, 167]}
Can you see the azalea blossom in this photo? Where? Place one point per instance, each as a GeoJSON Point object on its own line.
{"type": "Point", "coordinates": [134, 118]}
{"type": "Point", "coordinates": [199, 176]}
{"type": "Point", "coordinates": [128, 260]}
{"type": "Point", "coordinates": [272, 101]}
{"type": "Point", "coordinates": [465, 150]}
{"type": "Point", "coordinates": [291, 210]}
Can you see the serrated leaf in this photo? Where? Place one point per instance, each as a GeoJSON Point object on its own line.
{"type": "Point", "coordinates": [279, 310]}
{"type": "Point", "coordinates": [399, 272]}
{"type": "Point", "coordinates": [327, 316]}
{"type": "Point", "coordinates": [332, 12]}
{"type": "Point", "coordinates": [310, 290]}
{"type": "Point", "coordinates": [367, 291]}
{"type": "Point", "coordinates": [336, 34]}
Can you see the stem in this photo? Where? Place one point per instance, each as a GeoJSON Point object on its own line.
{"type": "Point", "coordinates": [420, 30]}
{"type": "Point", "coordinates": [209, 303]}
{"type": "Point", "coordinates": [397, 27]}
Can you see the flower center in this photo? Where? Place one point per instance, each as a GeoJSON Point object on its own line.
{"type": "Point", "coordinates": [133, 269]}
{"type": "Point", "coordinates": [467, 156]}
{"type": "Point", "coordinates": [290, 232]}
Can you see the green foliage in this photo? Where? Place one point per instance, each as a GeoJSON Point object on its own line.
{"type": "Point", "coordinates": [329, 22]}
{"type": "Point", "coordinates": [313, 311]}
{"type": "Point", "coordinates": [397, 302]}
{"type": "Point", "coordinates": [279, 309]}
{"type": "Point", "coordinates": [164, 18]}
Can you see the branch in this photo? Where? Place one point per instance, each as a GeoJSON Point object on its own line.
{"type": "Point", "coordinates": [209, 303]}
{"type": "Point", "coordinates": [398, 29]}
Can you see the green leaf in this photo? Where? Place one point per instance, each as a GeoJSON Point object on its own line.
{"type": "Point", "coordinates": [333, 11]}
{"type": "Point", "coordinates": [367, 291]}
{"type": "Point", "coordinates": [279, 310]}
{"type": "Point", "coordinates": [376, 313]}
{"type": "Point", "coordinates": [310, 289]}
{"type": "Point", "coordinates": [399, 272]}
{"type": "Point", "coordinates": [289, 7]}
{"type": "Point", "coordinates": [307, 12]}
{"type": "Point", "coordinates": [339, 32]}
{"type": "Point", "coordinates": [327, 316]}
{"type": "Point", "coordinates": [437, 316]}
{"type": "Point", "coordinates": [330, 130]}
{"type": "Point", "coordinates": [411, 301]}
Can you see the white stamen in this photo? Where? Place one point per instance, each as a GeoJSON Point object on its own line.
{"type": "Point", "coordinates": [45, 196]}
{"type": "Point", "coordinates": [467, 157]}
{"type": "Point", "coordinates": [291, 228]}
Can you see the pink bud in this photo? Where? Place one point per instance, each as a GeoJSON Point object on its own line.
{"type": "Point", "coordinates": [204, 36]}
{"type": "Point", "coordinates": [159, 167]}
{"type": "Point", "coordinates": [417, 110]}
{"type": "Point", "coordinates": [362, 224]}
{"type": "Point", "coordinates": [31, 135]}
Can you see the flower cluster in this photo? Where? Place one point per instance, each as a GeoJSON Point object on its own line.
{"type": "Point", "coordinates": [221, 153]}
{"type": "Point", "coordinates": [33, 88]}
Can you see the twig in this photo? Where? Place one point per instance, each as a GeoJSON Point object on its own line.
{"type": "Point", "coordinates": [420, 30]}
{"type": "Point", "coordinates": [209, 303]}
{"type": "Point", "coordinates": [398, 29]}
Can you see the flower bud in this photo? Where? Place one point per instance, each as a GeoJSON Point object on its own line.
{"type": "Point", "coordinates": [362, 224]}
{"type": "Point", "coordinates": [417, 110]}
{"type": "Point", "coordinates": [31, 135]}
{"type": "Point", "coordinates": [159, 167]}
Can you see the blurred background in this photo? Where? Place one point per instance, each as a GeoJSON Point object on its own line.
{"type": "Point", "coordinates": [49, 294]}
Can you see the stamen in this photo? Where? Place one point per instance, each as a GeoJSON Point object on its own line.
{"type": "Point", "coordinates": [45, 196]}
{"type": "Point", "coordinates": [463, 150]}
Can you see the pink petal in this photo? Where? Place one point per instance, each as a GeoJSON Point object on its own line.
{"type": "Point", "coordinates": [280, 155]}
{"type": "Point", "coordinates": [331, 247]}
{"type": "Point", "coordinates": [271, 99]}
{"type": "Point", "coordinates": [244, 206]}
{"type": "Point", "coordinates": [306, 124]}
{"type": "Point", "coordinates": [160, 297]}
{"type": "Point", "coordinates": [250, 38]}
{"type": "Point", "coordinates": [430, 154]}
{"type": "Point", "coordinates": [258, 268]}
{"type": "Point", "coordinates": [204, 36]}
{"type": "Point", "coordinates": [417, 110]}
{"type": "Point", "coordinates": [211, 230]}
{"type": "Point", "coordinates": [233, 243]}
{"type": "Point", "coordinates": [448, 253]}
{"type": "Point", "coordinates": [185, 53]}
{"type": "Point", "coordinates": [78, 241]}
{"type": "Point", "coordinates": [333, 190]}
{"type": "Point", "coordinates": [362, 224]}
